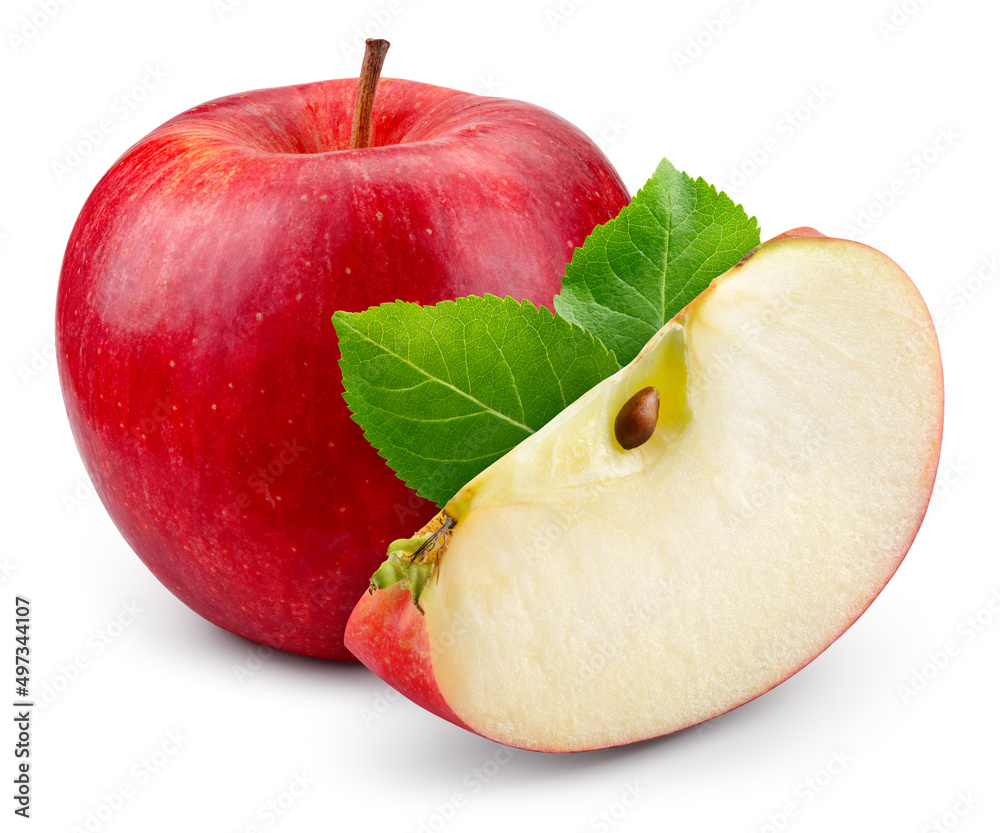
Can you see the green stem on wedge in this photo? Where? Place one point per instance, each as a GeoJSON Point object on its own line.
{"type": "Point", "coordinates": [371, 69]}
{"type": "Point", "coordinates": [412, 562]}
{"type": "Point", "coordinates": [410, 546]}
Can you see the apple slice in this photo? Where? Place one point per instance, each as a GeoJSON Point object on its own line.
{"type": "Point", "coordinates": [578, 594]}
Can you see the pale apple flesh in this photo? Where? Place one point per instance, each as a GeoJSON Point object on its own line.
{"type": "Point", "coordinates": [588, 596]}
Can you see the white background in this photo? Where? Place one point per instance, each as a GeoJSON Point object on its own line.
{"type": "Point", "coordinates": [822, 107]}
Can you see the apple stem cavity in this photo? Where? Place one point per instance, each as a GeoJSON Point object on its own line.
{"type": "Point", "coordinates": [371, 69]}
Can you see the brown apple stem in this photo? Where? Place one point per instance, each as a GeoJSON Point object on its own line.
{"type": "Point", "coordinates": [371, 69]}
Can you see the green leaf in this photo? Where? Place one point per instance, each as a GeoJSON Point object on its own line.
{"type": "Point", "coordinates": [637, 271]}
{"type": "Point", "coordinates": [443, 391]}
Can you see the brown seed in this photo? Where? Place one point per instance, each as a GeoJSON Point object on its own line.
{"type": "Point", "coordinates": [636, 421]}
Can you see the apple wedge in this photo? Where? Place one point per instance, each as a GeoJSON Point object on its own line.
{"type": "Point", "coordinates": [647, 562]}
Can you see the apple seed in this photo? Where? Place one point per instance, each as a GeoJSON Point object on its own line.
{"type": "Point", "coordinates": [636, 421]}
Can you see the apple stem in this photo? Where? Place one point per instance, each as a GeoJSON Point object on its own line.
{"type": "Point", "coordinates": [371, 69]}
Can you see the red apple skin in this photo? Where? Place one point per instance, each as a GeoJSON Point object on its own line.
{"type": "Point", "coordinates": [388, 634]}
{"type": "Point", "coordinates": [196, 352]}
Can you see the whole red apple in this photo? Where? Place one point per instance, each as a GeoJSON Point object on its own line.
{"type": "Point", "coordinates": [196, 352]}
